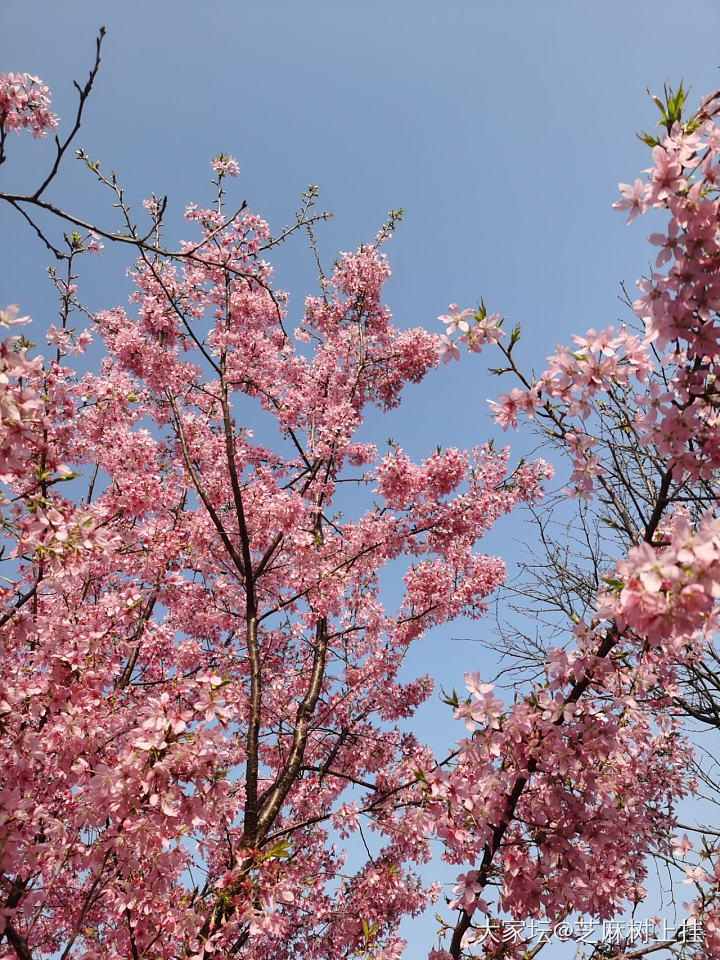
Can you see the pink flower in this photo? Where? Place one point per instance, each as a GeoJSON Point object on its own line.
{"type": "Point", "coordinates": [681, 845]}
{"type": "Point", "coordinates": [448, 350]}
{"type": "Point", "coordinates": [633, 199]}
{"type": "Point", "coordinates": [696, 875]}
{"type": "Point", "coordinates": [684, 146]}
{"type": "Point", "coordinates": [602, 342]}
{"type": "Point", "coordinates": [9, 317]}
{"type": "Point", "coordinates": [667, 176]}
{"type": "Point", "coordinates": [508, 406]}
{"type": "Point", "coordinates": [486, 330]}
{"type": "Point", "coordinates": [225, 165]}
{"type": "Point", "coordinates": [94, 245]}
{"type": "Point", "coordinates": [456, 319]}
{"type": "Point", "coordinates": [468, 889]}
{"type": "Point", "coordinates": [25, 104]}
{"type": "Point", "coordinates": [151, 205]}
{"type": "Point", "coordinates": [474, 685]}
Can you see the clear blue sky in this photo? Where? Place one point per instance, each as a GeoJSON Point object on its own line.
{"type": "Point", "coordinates": [501, 126]}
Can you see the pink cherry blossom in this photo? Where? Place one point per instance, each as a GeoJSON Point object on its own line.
{"type": "Point", "coordinates": [681, 845]}
{"type": "Point", "coordinates": [456, 319]}
{"type": "Point", "coordinates": [25, 104]}
{"type": "Point", "coordinates": [225, 165]}
{"type": "Point", "coordinates": [448, 351]}
{"type": "Point", "coordinates": [633, 199]}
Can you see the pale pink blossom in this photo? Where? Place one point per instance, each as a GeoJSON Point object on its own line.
{"type": "Point", "coordinates": [633, 199]}
{"type": "Point", "coordinates": [225, 165]}
{"type": "Point", "coordinates": [456, 319]}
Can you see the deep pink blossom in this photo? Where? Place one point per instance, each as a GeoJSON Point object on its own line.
{"type": "Point", "coordinates": [25, 104]}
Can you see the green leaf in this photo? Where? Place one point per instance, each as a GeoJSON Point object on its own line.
{"type": "Point", "coordinates": [658, 103]}
{"type": "Point", "coordinates": [614, 583]}
{"type": "Point", "coordinates": [670, 107]}
{"type": "Point", "coordinates": [452, 701]}
{"type": "Point", "coordinates": [278, 851]}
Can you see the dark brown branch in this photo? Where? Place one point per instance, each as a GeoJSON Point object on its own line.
{"type": "Point", "coordinates": [125, 676]}
{"type": "Point", "coordinates": [513, 798]}
{"type": "Point", "coordinates": [17, 942]}
{"type": "Point", "coordinates": [57, 253]}
{"type": "Point", "coordinates": [273, 798]}
{"type": "Point", "coordinates": [84, 93]}
{"type": "Point", "coordinates": [21, 601]}
{"type": "Point", "coordinates": [87, 903]}
{"type": "Point", "coordinates": [660, 505]}
{"type": "Point", "coordinates": [250, 824]}
{"type": "Point", "coordinates": [236, 557]}
{"type": "Point", "coordinates": [237, 492]}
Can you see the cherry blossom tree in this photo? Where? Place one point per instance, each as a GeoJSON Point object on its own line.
{"type": "Point", "coordinates": [201, 700]}
{"type": "Point", "coordinates": [201, 695]}
{"type": "Point", "coordinates": [636, 413]}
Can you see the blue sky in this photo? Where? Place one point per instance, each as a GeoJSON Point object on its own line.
{"type": "Point", "coordinates": [501, 127]}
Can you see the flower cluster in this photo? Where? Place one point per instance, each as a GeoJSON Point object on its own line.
{"type": "Point", "coordinates": [476, 326]}
{"type": "Point", "coordinates": [25, 104]}
{"type": "Point", "coordinates": [551, 792]}
{"type": "Point", "coordinates": [225, 166]}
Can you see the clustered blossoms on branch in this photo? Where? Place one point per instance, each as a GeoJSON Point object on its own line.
{"type": "Point", "coordinates": [225, 166]}
{"type": "Point", "coordinates": [531, 772]}
{"type": "Point", "coordinates": [484, 329]}
{"type": "Point", "coordinates": [20, 409]}
{"type": "Point", "coordinates": [25, 104]}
